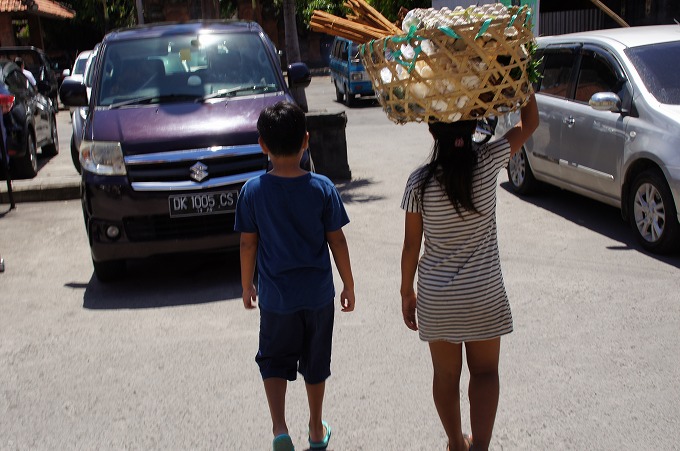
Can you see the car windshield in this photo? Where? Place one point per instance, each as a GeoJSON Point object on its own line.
{"type": "Point", "coordinates": [651, 62]}
{"type": "Point", "coordinates": [184, 68]}
{"type": "Point", "coordinates": [79, 68]}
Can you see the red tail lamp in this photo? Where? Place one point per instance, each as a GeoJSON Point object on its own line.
{"type": "Point", "coordinates": [6, 102]}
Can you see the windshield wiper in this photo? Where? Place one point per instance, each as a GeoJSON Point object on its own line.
{"type": "Point", "coordinates": [154, 99]}
{"type": "Point", "coordinates": [237, 89]}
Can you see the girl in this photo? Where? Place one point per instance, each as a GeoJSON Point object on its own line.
{"type": "Point", "coordinates": [461, 297]}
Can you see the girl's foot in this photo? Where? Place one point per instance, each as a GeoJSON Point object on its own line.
{"type": "Point", "coordinates": [467, 441]}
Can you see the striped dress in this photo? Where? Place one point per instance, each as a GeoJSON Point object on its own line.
{"type": "Point", "coordinates": [460, 291]}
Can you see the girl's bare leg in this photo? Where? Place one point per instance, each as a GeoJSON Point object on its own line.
{"type": "Point", "coordinates": [482, 360]}
{"type": "Point", "coordinates": [447, 361]}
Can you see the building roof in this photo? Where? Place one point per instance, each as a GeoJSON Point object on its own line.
{"type": "Point", "coordinates": [47, 8]}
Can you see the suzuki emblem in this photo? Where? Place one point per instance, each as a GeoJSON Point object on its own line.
{"type": "Point", "coordinates": [198, 172]}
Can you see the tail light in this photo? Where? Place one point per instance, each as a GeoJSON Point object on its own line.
{"type": "Point", "coordinates": [6, 102]}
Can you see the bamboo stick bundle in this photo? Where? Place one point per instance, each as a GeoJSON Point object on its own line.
{"type": "Point", "coordinates": [337, 26]}
{"type": "Point", "coordinates": [371, 16]}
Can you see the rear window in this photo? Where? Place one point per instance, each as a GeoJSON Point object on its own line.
{"type": "Point", "coordinates": [175, 68]}
{"type": "Point", "coordinates": [654, 64]}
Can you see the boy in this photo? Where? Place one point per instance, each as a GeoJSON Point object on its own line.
{"type": "Point", "coordinates": [288, 218]}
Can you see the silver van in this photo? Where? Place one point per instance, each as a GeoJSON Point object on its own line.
{"type": "Point", "coordinates": [609, 107]}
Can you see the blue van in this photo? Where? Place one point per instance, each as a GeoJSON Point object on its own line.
{"type": "Point", "coordinates": [347, 73]}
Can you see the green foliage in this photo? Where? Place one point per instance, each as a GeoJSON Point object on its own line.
{"type": "Point", "coordinates": [390, 8]}
{"type": "Point", "coordinates": [307, 7]}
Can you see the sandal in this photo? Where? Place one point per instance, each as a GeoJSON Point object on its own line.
{"type": "Point", "coordinates": [283, 442]}
{"type": "Point", "coordinates": [323, 444]}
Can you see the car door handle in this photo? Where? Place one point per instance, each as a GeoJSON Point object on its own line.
{"type": "Point", "coordinates": [569, 121]}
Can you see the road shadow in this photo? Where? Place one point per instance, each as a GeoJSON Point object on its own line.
{"type": "Point", "coordinates": [351, 191]}
{"type": "Point", "coordinates": [362, 102]}
{"type": "Point", "coordinates": [596, 216]}
{"type": "Point", "coordinates": [168, 281]}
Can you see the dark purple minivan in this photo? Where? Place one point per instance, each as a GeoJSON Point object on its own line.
{"type": "Point", "coordinates": [170, 136]}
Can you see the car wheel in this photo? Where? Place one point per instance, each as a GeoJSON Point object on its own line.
{"type": "Point", "coordinates": [75, 156]}
{"type": "Point", "coordinates": [27, 167]}
{"type": "Point", "coordinates": [53, 148]}
{"type": "Point", "coordinates": [652, 213]}
{"type": "Point", "coordinates": [519, 173]}
{"type": "Point", "coordinates": [338, 95]}
{"type": "Point", "coordinates": [349, 98]}
{"type": "Point", "coordinates": [109, 271]}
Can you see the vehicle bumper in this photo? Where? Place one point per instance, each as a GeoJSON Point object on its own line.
{"type": "Point", "coordinates": [361, 87]}
{"type": "Point", "coordinates": [144, 223]}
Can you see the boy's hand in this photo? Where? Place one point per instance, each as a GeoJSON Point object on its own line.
{"type": "Point", "coordinates": [250, 297]}
{"type": "Point", "coordinates": [347, 300]}
{"type": "Point", "coordinates": [408, 310]}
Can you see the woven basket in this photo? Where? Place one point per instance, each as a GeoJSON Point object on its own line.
{"type": "Point", "coordinates": [452, 73]}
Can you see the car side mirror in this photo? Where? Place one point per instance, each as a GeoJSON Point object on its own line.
{"type": "Point", "coordinates": [298, 75]}
{"type": "Point", "coordinates": [66, 72]}
{"type": "Point", "coordinates": [73, 93]}
{"type": "Point", "coordinates": [605, 101]}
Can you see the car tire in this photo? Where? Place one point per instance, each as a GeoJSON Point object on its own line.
{"type": "Point", "coordinates": [52, 149]}
{"type": "Point", "coordinates": [75, 156]}
{"type": "Point", "coordinates": [338, 95]}
{"type": "Point", "coordinates": [652, 213]}
{"type": "Point", "coordinates": [109, 271]}
{"type": "Point", "coordinates": [349, 98]}
{"type": "Point", "coordinates": [27, 167]}
{"type": "Point", "coordinates": [519, 173]}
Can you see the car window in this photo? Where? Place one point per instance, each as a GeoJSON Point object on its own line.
{"type": "Point", "coordinates": [175, 66]}
{"type": "Point", "coordinates": [557, 69]}
{"type": "Point", "coordinates": [17, 82]}
{"type": "Point", "coordinates": [79, 67]}
{"type": "Point", "coordinates": [655, 64]}
{"type": "Point", "coordinates": [595, 75]}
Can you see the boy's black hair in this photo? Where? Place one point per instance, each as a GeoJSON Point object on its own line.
{"type": "Point", "coordinates": [282, 127]}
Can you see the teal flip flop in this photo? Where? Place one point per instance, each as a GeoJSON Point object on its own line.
{"type": "Point", "coordinates": [323, 444]}
{"type": "Point", "coordinates": [283, 442]}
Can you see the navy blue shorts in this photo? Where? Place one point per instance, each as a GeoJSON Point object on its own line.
{"type": "Point", "coordinates": [296, 342]}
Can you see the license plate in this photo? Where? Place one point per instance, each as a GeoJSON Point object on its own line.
{"type": "Point", "coordinates": [202, 203]}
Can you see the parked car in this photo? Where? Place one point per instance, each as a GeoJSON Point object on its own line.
{"type": "Point", "coordinates": [609, 106]}
{"type": "Point", "coordinates": [36, 61]}
{"type": "Point", "coordinates": [82, 68]}
{"type": "Point", "coordinates": [347, 72]}
{"type": "Point", "coordinates": [170, 135]}
{"type": "Point", "coordinates": [31, 123]}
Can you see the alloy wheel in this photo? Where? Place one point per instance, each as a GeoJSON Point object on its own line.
{"type": "Point", "coordinates": [649, 212]}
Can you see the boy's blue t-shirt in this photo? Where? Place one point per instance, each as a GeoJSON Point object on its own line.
{"type": "Point", "coordinates": [291, 217]}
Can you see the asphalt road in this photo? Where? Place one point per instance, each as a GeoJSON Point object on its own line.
{"type": "Point", "coordinates": [164, 360]}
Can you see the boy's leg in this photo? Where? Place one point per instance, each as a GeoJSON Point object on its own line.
{"type": "Point", "coordinates": [447, 362]}
{"type": "Point", "coordinates": [275, 388]}
{"type": "Point", "coordinates": [280, 345]}
{"type": "Point", "coordinates": [315, 364]}
{"type": "Point", "coordinates": [315, 394]}
{"type": "Point", "coordinates": [482, 359]}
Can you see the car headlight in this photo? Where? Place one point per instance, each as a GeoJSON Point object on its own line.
{"type": "Point", "coordinates": [102, 157]}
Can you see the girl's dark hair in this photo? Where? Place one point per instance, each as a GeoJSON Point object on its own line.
{"type": "Point", "coordinates": [453, 160]}
{"type": "Point", "coordinates": [282, 127]}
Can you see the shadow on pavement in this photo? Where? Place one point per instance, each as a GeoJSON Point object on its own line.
{"type": "Point", "coordinates": [596, 216]}
{"type": "Point", "coordinates": [168, 281]}
{"type": "Point", "coordinates": [350, 191]}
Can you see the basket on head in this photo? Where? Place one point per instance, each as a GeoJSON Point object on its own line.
{"type": "Point", "coordinates": [453, 72]}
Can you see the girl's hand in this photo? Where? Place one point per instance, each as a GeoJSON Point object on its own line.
{"type": "Point", "coordinates": [408, 310]}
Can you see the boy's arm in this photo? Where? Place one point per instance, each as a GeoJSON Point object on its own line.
{"type": "Point", "coordinates": [338, 245]}
{"type": "Point", "coordinates": [413, 236]}
{"type": "Point", "coordinates": [248, 259]}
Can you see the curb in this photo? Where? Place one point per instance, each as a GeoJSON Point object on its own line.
{"type": "Point", "coordinates": [68, 190]}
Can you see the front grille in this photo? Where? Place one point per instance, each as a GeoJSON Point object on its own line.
{"type": "Point", "coordinates": [157, 228]}
{"type": "Point", "coordinates": [170, 171]}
